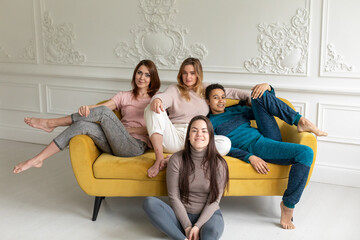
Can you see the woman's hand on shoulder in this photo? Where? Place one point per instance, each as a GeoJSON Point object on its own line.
{"type": "Point", "coordinates": [84, 111]}
{"type": "Point", "coordinates": [157, 105]}
{"type": "Point", "coordinates": [259, 164]}
{"type": "Point", "coordinates": [259, 89]}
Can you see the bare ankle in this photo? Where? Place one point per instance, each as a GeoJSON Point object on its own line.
{"type": "Point", "coordinates": [305, 125]}
{"type": "Point", "coordinates": [23, 166]}
{"type": "Point", "coordinates": [286, 217]}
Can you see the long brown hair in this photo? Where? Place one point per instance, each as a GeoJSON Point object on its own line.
{"type": "Point", "coordinates": [154, 78]}
{"type": "Point", "coordinates": [212, 160]}
{"type": "Point", "coordinates": [198, 88]}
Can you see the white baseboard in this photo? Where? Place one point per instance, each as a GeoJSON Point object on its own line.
{"type": "Point", "coordinates": [336, 174]}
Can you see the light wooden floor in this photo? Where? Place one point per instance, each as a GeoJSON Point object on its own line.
{"type": "Point", "coordinates": [47, 203]}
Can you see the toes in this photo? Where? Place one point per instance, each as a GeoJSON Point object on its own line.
{"type": "Point", "coordinates": [26, 165]}
{"type": "Point", "coordinates": [287, 226]}
{"type": "Point", "coordinates": [323, 134]}
{"type": "Point", "coordinates": [152, 172]}
{"type": "Point", "coordinates": [17, 170]}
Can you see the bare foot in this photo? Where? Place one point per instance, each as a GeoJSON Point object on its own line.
{"type": "Point", "coordinates": [27, 164]}
{"type": "Point", "coordinates": [286, 217]}
{"type": "Point", "coordinates": [154, 170]}
{"type": "Point", "coordinates": [305, 125]}
{"type": "Point", "coordinates": [39, 123]}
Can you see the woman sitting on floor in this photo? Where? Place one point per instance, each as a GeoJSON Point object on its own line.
{"type": "Point", "coordinates": [196, 178]}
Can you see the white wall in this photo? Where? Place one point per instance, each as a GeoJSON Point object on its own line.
{"type": "Point", "coordinates": [58, 55]}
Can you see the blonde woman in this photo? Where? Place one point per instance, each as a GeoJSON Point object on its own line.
{"type": "Point", "coordinates": [169, 113]}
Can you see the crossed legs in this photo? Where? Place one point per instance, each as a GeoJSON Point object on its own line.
{"type": "Point", "coordinates": [163, 217]}
{"type": "Point", "coordinates": [109, 135]}
{"type": "Point", "coordinates": [268, 106]}
{"type": "Point", "coordinates": [48, 125]}
{"type": "Point", "coordinates": [93, 130]}
{"type": "Point", "coordinates": [264, 109]}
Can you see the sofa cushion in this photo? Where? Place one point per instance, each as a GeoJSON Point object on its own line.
{"type": "Point", "coordinates": [110, 167]}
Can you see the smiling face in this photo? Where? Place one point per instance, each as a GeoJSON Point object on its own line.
{"type": "Point", "coordinates": [199, 135]}
{"type": "Point", "coordinates": [189, 76]}
{"type": "Point", "coordinates": [142, 77]}
{"type": "Point", "coordinates": [217, 101]}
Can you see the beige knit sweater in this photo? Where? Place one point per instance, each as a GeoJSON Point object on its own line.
{"type": "Point", "coordinates": [198, 190]}
{"type": "Point", "coordinates": [182, 111]}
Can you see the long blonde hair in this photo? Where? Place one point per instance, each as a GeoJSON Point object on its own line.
{"type": "Point", "coordinates": [198, 88]}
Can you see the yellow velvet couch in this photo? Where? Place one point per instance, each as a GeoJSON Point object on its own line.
{"type": "Point", "coordinates": [104, 175]}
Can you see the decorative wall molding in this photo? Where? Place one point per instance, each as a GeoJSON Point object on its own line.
{"type": "Point", "coordinates": [334, 62]}
{"type": "Point", "coordinates": [58, 42]}
{"type": "Point", "coordinates": [9, 100]}
{"type": "Point", "coordinates": [336, 174]}
{"type": "Point", "coordinates": [338, 166]}
{"type": "Point", "coordinates": [28, 54]}
{"type": "Point", "coordinates": [283, 47]}
{"type": "Point", "coordinates": [24, 133]}
{"type": "Point", "coordinates": [300, 107]}
{"type": "Point", "coordinates": [4, 54]}
{"type": "Point", "coordinates": [160, 39]}
{"type": "Point", "coordinates": [23, 71]}
{"type": "Point", "coordinates": [69, 93]}
{"type": "Point", "coordinates": [347, 137]}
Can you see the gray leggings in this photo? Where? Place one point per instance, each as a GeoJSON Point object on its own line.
{"type": "Point", "coordinates": [106, 130]}
{"type": "Point", "coordinates": [162, 216]}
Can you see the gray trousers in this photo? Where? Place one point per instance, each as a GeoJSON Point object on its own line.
{"type": "Point", "coordinates": [106, 130]}
{"type": "Point", "coordinates": [163, 217]}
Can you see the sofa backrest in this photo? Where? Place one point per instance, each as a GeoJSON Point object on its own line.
{"type": "Point", "coordinates": [231, 102]}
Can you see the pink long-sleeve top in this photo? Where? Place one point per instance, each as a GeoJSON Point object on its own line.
{"type": "Point", "coordinates": [132, 112]}
{"type": "Point", "coordinates": [199, 189]}
{"type": "Point", "coordinates": [182, 111]}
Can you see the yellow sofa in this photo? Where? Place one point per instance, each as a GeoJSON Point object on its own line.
{"type": "Point", "coordinates": [104, 175]}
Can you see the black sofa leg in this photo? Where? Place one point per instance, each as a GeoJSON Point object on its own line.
{"type": "Point", "coordinates": [97, 205]}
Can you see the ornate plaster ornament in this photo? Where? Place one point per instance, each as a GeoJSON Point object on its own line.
{"type": "Point", "coordinates": [58, 42]}
{"type": "Point", "coordinates": [28, 54]}
{"type": "Point", "coordinates": [4, 54]}
{"type": "Point", "coordinates": [160, 39]}
{"type": "Point", "coordinates": [283, 47]}
{"type": "Point", "coordinates": [335, 62]}
{"type": "Point", "coordinates": [29, 51]}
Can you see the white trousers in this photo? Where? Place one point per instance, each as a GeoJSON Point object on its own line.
{"type": "Point", "coordinates": [174, 134]}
